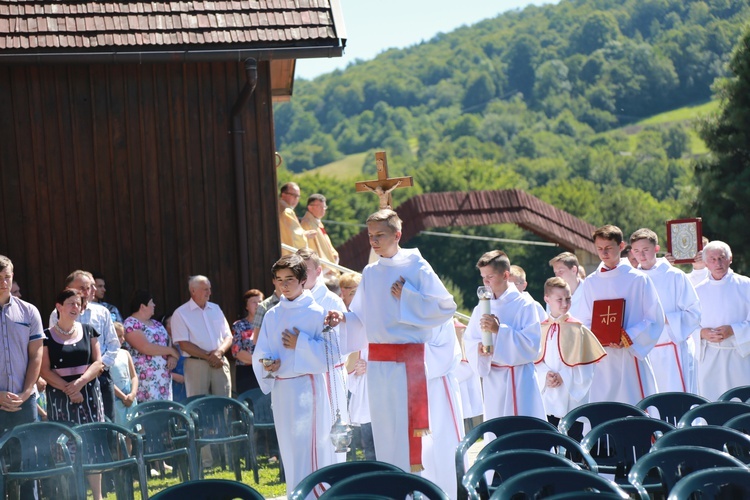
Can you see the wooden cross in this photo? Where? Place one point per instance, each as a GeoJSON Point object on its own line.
{"type": "Point", "coordinates": [384, 184]}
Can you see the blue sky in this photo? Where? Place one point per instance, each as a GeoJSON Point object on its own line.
{"type": "Point", "coordinates": [373, 26]}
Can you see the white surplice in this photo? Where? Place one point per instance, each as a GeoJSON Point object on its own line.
{"type": "Point", "coordinates": [376, 317]}
{"type": "Point", "coordinates": [697, 275]}
{"type": "Point", "coordinates": [671, 358]}
{"type": "Point", "coordinates": [301, 409]}
{"type": "Point", "coordinates": [574, 391]}
{"type": "Point", "coordinates": [471, 390]}
{"type": "Point", "coordinates": [509, 377]}
{"type": "Point", "coordinates": [359, 402]}
{"type": "Point", "coordinates": [624, 375]}
{"type": "Point", "coordinates": [724, 365]}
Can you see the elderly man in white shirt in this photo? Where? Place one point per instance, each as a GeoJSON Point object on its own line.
{"type": "Point", "coordinates": [203, 334]}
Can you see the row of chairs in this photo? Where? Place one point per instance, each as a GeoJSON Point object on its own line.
{"type": "Point", "coordinates": [620, 434]}
{"type": "Point", "coordinates": [156, 431]}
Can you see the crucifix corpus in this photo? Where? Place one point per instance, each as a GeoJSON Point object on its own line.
{"type": "Point", "coordinates": [383, 185]}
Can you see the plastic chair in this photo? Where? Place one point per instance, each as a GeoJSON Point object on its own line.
{"type": "Point", "coordinates": [545, 483]}
{"type": "Point", "coordinates": [719, 482]}
{"type": "Point", "coordinates": [111, 447]}
{"type": "Point", "coordinates": [42, 450]}
{"type": "Point", "coordinates": [598, 413]}
{"type": "Point", "coordinates": [740, 423]}
{"type": "Point", "coordinates": [332, 474]}
{"type": "Point", "coordinates": [192, 398]}
{"type": "Point", "coordinates": [499, 427]}
{"type": "Point", "coordinates": [168, 434]}
{"type": "Point", "coordinates": [507, 464]}
{"type": "Point", "coordinates": [209, 489]}
{"type": "Point", "coordinates": [225, 421]}
{"type": "Point", "coordinates": [543, 441]}
{"type": "Point", "coordinates": [260, 405]}
{"type": "Point", "coordinates": [742, 393]}
{"type": "Point", "coordinates": [157, 404]}
{"type": "Point", "coordinates": [716, 413]}
{"type": "Point", "coordinates": [627, 439]}
{"type": "Point", "coordinates": [673, 464]}
{"type": "Point", "coordinates": [717, 438]}
{"type": "Point", "coordinates": [391, 484]}
{"type": "Point", "coordinates": [671, 406]}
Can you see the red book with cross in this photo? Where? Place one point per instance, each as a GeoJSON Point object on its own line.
{"type": "Point", "coordinates": [607, 319]}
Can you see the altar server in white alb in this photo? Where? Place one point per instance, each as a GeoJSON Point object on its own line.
{"type": "Point", "coordinates": [723, 361]}
{"type": "Point", "coordinates": [337, 389]}
{"type": "Point", "coordinates": [671, 357]}
{"type": "Point", "coordinates": [509, 379]}
{"type": "Point", "coordinates": [625, 374]}
{"type": "Point", "coordinates": [469, 382]}
{"type": "Point", "coordinates": [569, 351]}
{"type": "Point", "coordinates": [291, 335]}
{"type": "Point", "coordinates": [400, 306]}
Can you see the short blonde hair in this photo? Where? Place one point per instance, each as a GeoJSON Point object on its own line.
{"type": "Point", "coordinates": [556, 282]}
{"type": "Point", "coordinates": [569, 259]}
{"type": "Point", "coordinates": [350, 280]}
{"type": "Point", "coordinates": [388, 216]}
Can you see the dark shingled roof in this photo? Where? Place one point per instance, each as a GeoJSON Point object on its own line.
{"type": "Point", "coordinates": [47, 25]}
{"type": "Point", "coordinates": [477, 208]}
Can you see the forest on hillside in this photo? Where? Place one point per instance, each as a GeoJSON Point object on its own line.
{"type": "Point", "coordinates": [533, 99]}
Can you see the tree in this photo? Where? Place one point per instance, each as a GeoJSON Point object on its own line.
{"type": "Point", "coordinates": [723, 178]}
{"type": "Point", "coordinates": [598, 29]}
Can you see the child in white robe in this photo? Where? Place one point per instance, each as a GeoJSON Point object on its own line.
{"type": "Point", "coordinates": [565, 367]}
{"type": "Point", "coordinates": [509, 377]}
{"type": "Point", "coordinates": [291, 335]}
{"type": "Point", "coordinates": [671, 357]}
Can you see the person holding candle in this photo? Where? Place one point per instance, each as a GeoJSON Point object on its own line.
{"type": "Point", "coordinates": [507, 366]}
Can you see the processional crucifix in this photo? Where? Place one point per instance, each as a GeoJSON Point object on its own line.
{"type": "Point", "coordinates": [383, 185]}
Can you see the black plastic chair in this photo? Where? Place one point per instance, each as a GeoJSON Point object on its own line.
{"type": "Point", "coordinates": [625, 440]}
{"type": "Point", "coordinates": [499, 427]}
{"type": "Point", "coordinates": [740, 423]}
{"type": "Point", "coordinates": [716, 413]}
{"type": "Point", "coordinates": [227, 422]}
{"type": "Point", "coordinates": [157, 404]}
{"type": "Point", "coordinates": [671, 406]}
{"type": "Point", "coordinates": [598, 413]}
{"type": "Point", "coordinates": [719, 482]}
{"type": "Point", "coordinates": [717, 438]}
{"type": "Point", "coordinates": [546, 483]}
{"type": "Point", "coordinates": [391, 484]}
{"type": "Point", "coordinates": [673, 464]}
{"type": "Point", "coordinates": [109, 447]}
{"type": "Point", "coordinates": [332, 474]}
{"type": "Point", "coordinates": [43, 450]}
{"type": "Point", "coordinates": [209, 489]}
{"type": "Point", "coordinates": [168, 434]}
{"type": "Point", "coordinates": [505, 465]}
{"type": "Point", "coordinates": [742, 393]}
{"type": "Point", "coordinates": [260, 405]}
{"type": "Point", "coordinates": [564, 446]}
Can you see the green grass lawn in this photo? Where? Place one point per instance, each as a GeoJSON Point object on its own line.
{"type": "Point", "coordinates": [269, 486]}
{"type": "Point", "coordinates": [348, 167]}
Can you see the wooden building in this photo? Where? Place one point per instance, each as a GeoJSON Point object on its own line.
{"type": "Point", "coordinates": [137, 139]}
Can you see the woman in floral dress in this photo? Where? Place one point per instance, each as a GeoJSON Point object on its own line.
{"type": "Point", "coordinates": [242, 343]}
{"type": "Point", "coordinates": [148, 343]}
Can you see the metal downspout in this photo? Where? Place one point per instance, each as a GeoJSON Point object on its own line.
{"type": "Point", "coordinates": [251, 74]}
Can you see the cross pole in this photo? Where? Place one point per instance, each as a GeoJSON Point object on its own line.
{"type": "Point", "coordinates": [384, 184]}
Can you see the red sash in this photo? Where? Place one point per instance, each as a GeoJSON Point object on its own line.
{"type": "Point", "coordinates": [412, 355]}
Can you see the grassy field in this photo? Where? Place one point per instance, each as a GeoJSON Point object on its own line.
{"type": "Point", "coordinates": [269, 487]}
{"type": "Point", "coordinates": [345, 168]}
{"type": "Point", "coordinates": [685, 115]}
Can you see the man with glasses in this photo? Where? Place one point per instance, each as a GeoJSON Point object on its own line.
{"type": "Point", "coordinates": [290, 229]}
{"type": "Point", "coordinates": [320, 243]}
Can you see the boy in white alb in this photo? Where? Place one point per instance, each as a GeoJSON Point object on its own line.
{"type": "Point", "coordinates": [625, 375]}
{"type": "Point", "coordinates": [723, 361]}
{"type": "Point", "coordinates": [400, 306]}
{"type": "Point", "coordinates": [569, 351]}
{"type": "Point", "coordinates": [671, 356]}
{"type": "Point", "coordinates": [329, 301]}
{"type": "Point", "coordinates": [509, 379]}
{"type": "Point", "coordinates": [291, 335]}
{"type": "Point", "coordinates": [566, 266]}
